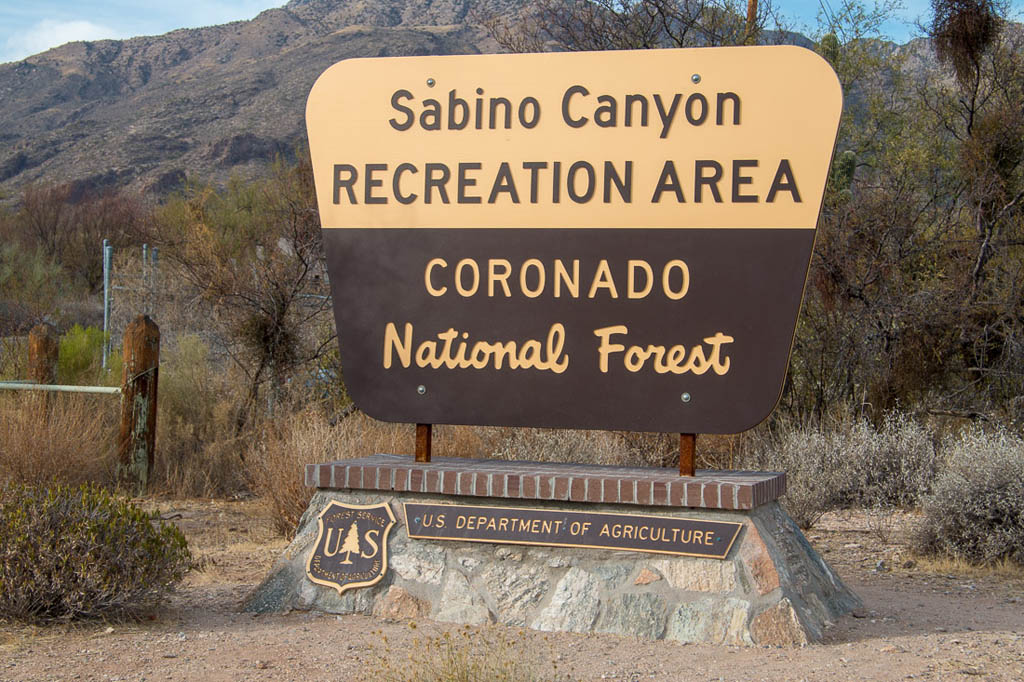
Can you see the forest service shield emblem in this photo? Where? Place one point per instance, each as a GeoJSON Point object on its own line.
{"type": "Point", "coordinates": [351, 548]}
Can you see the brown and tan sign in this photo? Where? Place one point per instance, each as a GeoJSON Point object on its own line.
{"type": "Point", "coordinates": [351, 547]}
{"type": "Point", "coordinates": [563, 528]}
{"type": "Point", "coordinates": [609, 240]}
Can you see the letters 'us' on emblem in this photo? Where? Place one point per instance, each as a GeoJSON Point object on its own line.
{"type": "Point", "coordinates": [351, 548]}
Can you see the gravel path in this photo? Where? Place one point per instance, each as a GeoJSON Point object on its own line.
{"type": "Point", "coordinates": [919, 622]}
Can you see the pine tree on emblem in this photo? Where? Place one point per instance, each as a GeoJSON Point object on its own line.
{"type": "Point", "coordinates": [351, 543]}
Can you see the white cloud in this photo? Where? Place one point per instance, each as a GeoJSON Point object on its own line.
{"type": "Point", "coordinates": [49, 33]}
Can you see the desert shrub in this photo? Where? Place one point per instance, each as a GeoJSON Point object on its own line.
{"type": "Point", "coordinates": [199, 445]}
{"type": "Point", "coordinates": [78, 553]}
{"type": "Point", "coordinates": [848, 463]}
{"type": "Point", "coordinates": [13, 357]}
{"type": "Point", "coordinates": [899, 464]}
{"type": "Point", "coordinates": [976, 511]}
{"type": "Point", "coordinates": [65, 438]}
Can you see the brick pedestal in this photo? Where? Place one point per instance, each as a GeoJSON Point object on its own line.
{"type": "Point", "coordinates": [771, 588]}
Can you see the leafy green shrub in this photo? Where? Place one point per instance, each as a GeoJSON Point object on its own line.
{"type": "Point", "coordinates": [976, 512]}
{"type": "Point", "coordinates": [78, 553]}
{"type": "Point", "coordinates": [80, 355]}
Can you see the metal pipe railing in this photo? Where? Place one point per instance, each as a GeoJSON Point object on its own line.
{"type": "Point", "coordinates": [57, 388]}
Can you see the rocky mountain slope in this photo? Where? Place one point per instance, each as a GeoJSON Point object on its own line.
{"type": "Point", "coordinates": [212, 101]}
{"type": "Point", "coordinates": [208, 102]}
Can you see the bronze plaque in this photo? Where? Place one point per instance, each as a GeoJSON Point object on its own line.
{"type": "Point", "coordinates": [561, 528]}
{"type": "Point", "coordinates": [351, 548]}
{"type": "Point", "coordinates": [610, 240]}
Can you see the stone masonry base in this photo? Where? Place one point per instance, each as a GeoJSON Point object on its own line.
{"type": "Point", "coordinates": [772, 588]}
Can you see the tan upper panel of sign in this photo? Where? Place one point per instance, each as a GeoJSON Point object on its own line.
{"type": "Point", "coordinates": [702, 138]}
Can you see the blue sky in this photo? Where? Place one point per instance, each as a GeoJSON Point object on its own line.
{"type": "Point", "coordinates": [31, 26]}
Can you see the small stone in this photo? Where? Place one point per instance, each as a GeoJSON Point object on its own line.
{"type": "Point", "coordinates": [637, 615]}
{"type": "Point", "coordinates": [909, 563]}
{"type": "Point", "coordinates": [399, 604]}
{"type": "Point", "coordinates": [778, 626]}
{"type": "Point", "coordinates": [460, 603]}
{"type": "Point", "coordinates": [574, 604]}
{"type": "Point", "coordinates": [418, 562]}
{"type": "Point", "coordinates": [712, 621]}
{"type": "Point", "coordinates": [514, 590]}
{"type": "Point", "coordinates": [646, 577]}
{"type": "Point", "coordinates": [508, 553]}
{"type": "Point", "coordinates": [697, 575]}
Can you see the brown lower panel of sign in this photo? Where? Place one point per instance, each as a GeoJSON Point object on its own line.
{"type": "Point", "coordinates": [562, 528]}
{"type": "Point", "coordinates": [647, 330]}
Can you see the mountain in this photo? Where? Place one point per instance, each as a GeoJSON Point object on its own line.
{"type": "Point", "coordinates": [212, 101]}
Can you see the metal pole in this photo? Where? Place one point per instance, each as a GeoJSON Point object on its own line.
{"type": "Point", "coordinates": [108, 252]}
{"type": "Point", "coordinates": [145, 277]}
{"type": "Point", "coordinates": [154, 271]}
{"type": "Point", "coordinates": [56, 388]}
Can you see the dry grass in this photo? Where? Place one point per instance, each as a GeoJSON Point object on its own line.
{"type": "Point", "coordinates": [467, 655]}
{"type": "Point", "coordinates": [199, 446]}
{"type": "Point", "coordinates": [276, 461]}
{"type": "Point", "coordinates": [947, 565]}
{"type": "Point", "coordinates": [57, 438]}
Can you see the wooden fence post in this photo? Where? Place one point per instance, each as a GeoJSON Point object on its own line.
{"type": "Point", "coordinates": [42, 361]}
{"type": "Point", "coordinates": [138, 401]}
{"type": "Point", "coordinates": [42, 354]}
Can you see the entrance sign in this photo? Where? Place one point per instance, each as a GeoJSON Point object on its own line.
{"type": "Point", "coordinates": [563, 528]}
{"type": "Point", "coordinates": [613, 240]}
{"type": "Point", "coordinates": [351, 547]}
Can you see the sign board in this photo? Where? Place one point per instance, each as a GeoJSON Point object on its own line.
{"type": "Point", "coordinates": [610, 240]}
{"type": "Point", "coordinates": [562, 528]}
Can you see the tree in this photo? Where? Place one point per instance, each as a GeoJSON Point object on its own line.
{"type": "Point", "coordinates": [628, 24]}
{"type": "Point", "coordinates": [351, 543]}
{"type": "Point", "coordinates": [980, 116]}
{"type": "Point", "coordinates": [253, 255]}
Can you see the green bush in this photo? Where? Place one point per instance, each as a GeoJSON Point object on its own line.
{"type": "Point", "coordinates": [976, 511]}
{"type": "Point", "coordinates": [80, 355]}
{"type": "Point", "coordinates": [78, 553]}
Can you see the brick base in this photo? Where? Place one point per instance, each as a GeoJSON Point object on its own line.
{"type": "Point", "coordinates": [709, 489]}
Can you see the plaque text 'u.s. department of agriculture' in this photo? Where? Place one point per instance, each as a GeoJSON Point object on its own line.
{"type": "Point", "coordinates": [564, 528]}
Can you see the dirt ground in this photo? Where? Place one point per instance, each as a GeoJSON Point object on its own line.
{"type": "Point", "coordinates": [921, 621]}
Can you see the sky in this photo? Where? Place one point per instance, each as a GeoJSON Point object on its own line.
{"type": "Point", "coordinates": [31, 26]}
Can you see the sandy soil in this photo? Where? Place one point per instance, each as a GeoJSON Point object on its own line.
{"type": "Point", "coordinates": [921, 621]}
